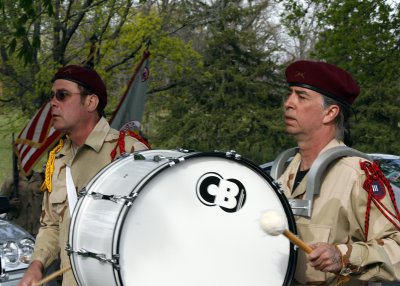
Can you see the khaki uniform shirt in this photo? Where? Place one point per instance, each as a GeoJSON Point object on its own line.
{"type": "Point", "coordinates": [27, 214]}
{"type": "Point", "coordinates": [338, 217]}
{"type": "Point", "coordinates": [85, 164]}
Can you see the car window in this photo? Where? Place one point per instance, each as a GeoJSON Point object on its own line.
{"type": "Point", "coordinates": [391, 169]}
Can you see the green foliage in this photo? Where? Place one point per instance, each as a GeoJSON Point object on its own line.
{"type": "Point", "coordinates": [362, 37]}
{"type": "Point", "coordinates": [11, 121]}
{"type": "Point", "coordinates": [20, 17]}
{"type": "Point", "coordinates": [230, 103]}
{"type": "Point", "coordinates": [172, 60]}
{"type": "Point", "coordinates": [215, 68]}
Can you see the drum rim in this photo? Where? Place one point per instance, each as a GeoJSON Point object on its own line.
{"type": "Point", "coordinates": [74, 217]}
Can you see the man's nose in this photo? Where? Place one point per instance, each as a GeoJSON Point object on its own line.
{"type": "Point", "coordinates": [288, 101]}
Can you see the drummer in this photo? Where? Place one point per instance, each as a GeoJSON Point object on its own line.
{"type": "Point", "coordinates": [78, 98]}
{"type": "Point", "coordinates": [352, 236]}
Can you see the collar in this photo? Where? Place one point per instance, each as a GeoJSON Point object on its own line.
{"type": "Point", "coordinates": [294, 165]}
{"type": "Point", "coordinates": [95, 139]}
{"type": "Point", "coordinates": [331, 144]}
{"type": "Point", "coordinates": [98, 135]}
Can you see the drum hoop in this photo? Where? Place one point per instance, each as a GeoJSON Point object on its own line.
{"type": "Point", "coordinates": [125, 209]}
{"type": "Point", "coordinates": [275, 186]}
{"type": "Point", "coordinates": [123, 212]}
{"type": "Point", "coordinates": [74, 216]}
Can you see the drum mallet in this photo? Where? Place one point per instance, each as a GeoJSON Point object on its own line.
{"type": "Point", "coordinates": [51, 276]}
{"type": "Point", "coordinates": [274, 224]}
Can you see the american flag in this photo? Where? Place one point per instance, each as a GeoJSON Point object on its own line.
{"type": "Point", "coordinates": [36, 138]}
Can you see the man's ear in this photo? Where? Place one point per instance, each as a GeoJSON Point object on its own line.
{"type": "Point", "coordinates": [331, 113]}
{"type": "Point", "coordinates": [92, 101]}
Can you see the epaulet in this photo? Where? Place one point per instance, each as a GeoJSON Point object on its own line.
{"type": "Point", "coordinates": [47, 184]}
{"type": "Point", "coordinates": [376, 185]}
{"type": "Point", "coordinates": [121, 142]}
{"type": "Point", "coordinates": [139, 137]}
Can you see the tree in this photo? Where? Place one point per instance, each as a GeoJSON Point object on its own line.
{"type": "Point", "coordinates": [234, 102]}
{"type": "Point", "coordinates": [363, 38]}
{"type": "Point", "coordinates": [300, 21]}
{"type": "Point", "coordinates": [56, 33]}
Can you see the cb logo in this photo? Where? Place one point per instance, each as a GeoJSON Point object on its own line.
{"type": "Point", "coordinates": [213, 190]}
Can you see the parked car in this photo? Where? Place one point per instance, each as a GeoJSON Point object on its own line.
{"type": "Point", "coordinates": [16, 248]}
{"type": "Point", "coordinates": [390, 166]}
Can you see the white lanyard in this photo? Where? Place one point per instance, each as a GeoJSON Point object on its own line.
{"type": "Point", "coordinates": [72, 196]}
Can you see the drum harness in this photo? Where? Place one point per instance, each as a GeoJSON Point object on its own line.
{"type": "Point", "coordinates": [303, 207]}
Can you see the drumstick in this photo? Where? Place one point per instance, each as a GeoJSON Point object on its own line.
{"type": "Point", "coordinates": [52, 276]}
{"type": "Point", "coordinates": [274, 224]}
{"type": "Point", "coordinates": [297, 241]}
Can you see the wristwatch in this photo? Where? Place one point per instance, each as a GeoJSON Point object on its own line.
{"type": "Point", "coordinates": [347, 267]}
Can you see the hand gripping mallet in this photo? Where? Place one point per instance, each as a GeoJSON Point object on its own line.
{"type": "Point", "coordinates": [274, 224]}
{"type": "Point", "coordinates": [51, 276]}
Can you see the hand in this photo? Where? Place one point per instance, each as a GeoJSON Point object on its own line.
{"type": "Point", "coordinates": [325, 257]}
{"type": "Point", "coordinates": [32, 274]}
{"type": "Point", "coordinates": [15, 203]}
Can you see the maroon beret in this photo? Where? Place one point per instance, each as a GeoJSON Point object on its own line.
{"type": "Point", "coordinates": [86, 77]}
{"type": "Point", "coordinates": [324, 78]}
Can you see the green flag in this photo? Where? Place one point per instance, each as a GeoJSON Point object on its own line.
{"type": "Point", "coordinates": [129, 112]}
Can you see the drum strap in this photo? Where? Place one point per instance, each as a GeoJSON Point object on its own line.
{"type": "Point", "coordinates": [71, 191]}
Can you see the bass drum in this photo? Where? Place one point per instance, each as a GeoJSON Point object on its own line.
{"type": "Point", "coordinates": [162, 217]}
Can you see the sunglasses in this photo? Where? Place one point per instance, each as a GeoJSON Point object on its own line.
{"type": "Point", "coordinates": [61, 95]}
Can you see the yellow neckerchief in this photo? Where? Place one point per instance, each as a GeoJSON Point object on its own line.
{"type": "Point", "coordinates": [50, 168]}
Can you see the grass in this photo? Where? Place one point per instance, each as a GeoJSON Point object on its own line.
{"type": "Point", "coordinates": [5, 156]}
{"type": "Point", "coordinates": [10, 122]}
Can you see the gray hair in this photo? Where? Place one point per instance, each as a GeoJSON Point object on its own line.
{"type": "Point", "coordinates": [342, 120]}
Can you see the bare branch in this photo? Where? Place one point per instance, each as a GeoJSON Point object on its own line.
{"type": "Point", "coordinates": [122, 21]}
{"type": "Point", "coordinates": [164, 88]}
{"type": "Point", "coordinates": [107, 22]}
{"type": "Point", "coordinates": [7, 100]}
{"type": "Point", "coordinates": [124, 60]}
{"type": "Point", "coordinates": [75, 25]}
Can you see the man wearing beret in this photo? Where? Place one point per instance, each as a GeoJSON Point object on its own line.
{"type": "Point", "coordinates": [354, 225]}
{"type": "Point", "coordinates": [78, 98]}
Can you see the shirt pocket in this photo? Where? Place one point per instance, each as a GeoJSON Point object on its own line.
{"type": "Point", "coordinates": [58, 201]}
{"type": "Point", "coordinates": [310, 233]}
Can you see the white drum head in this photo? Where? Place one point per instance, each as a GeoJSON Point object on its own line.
{"type": "Point", "coordinates": [194, 220]}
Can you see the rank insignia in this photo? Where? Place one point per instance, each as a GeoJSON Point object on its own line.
{"type": "Point", "coordinates": [378, 189]}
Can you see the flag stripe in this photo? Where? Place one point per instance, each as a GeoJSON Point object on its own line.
{"type": "Point", "coordinates": [36, 138]}
{"type": "Point", "coordinates": [31, 129]}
